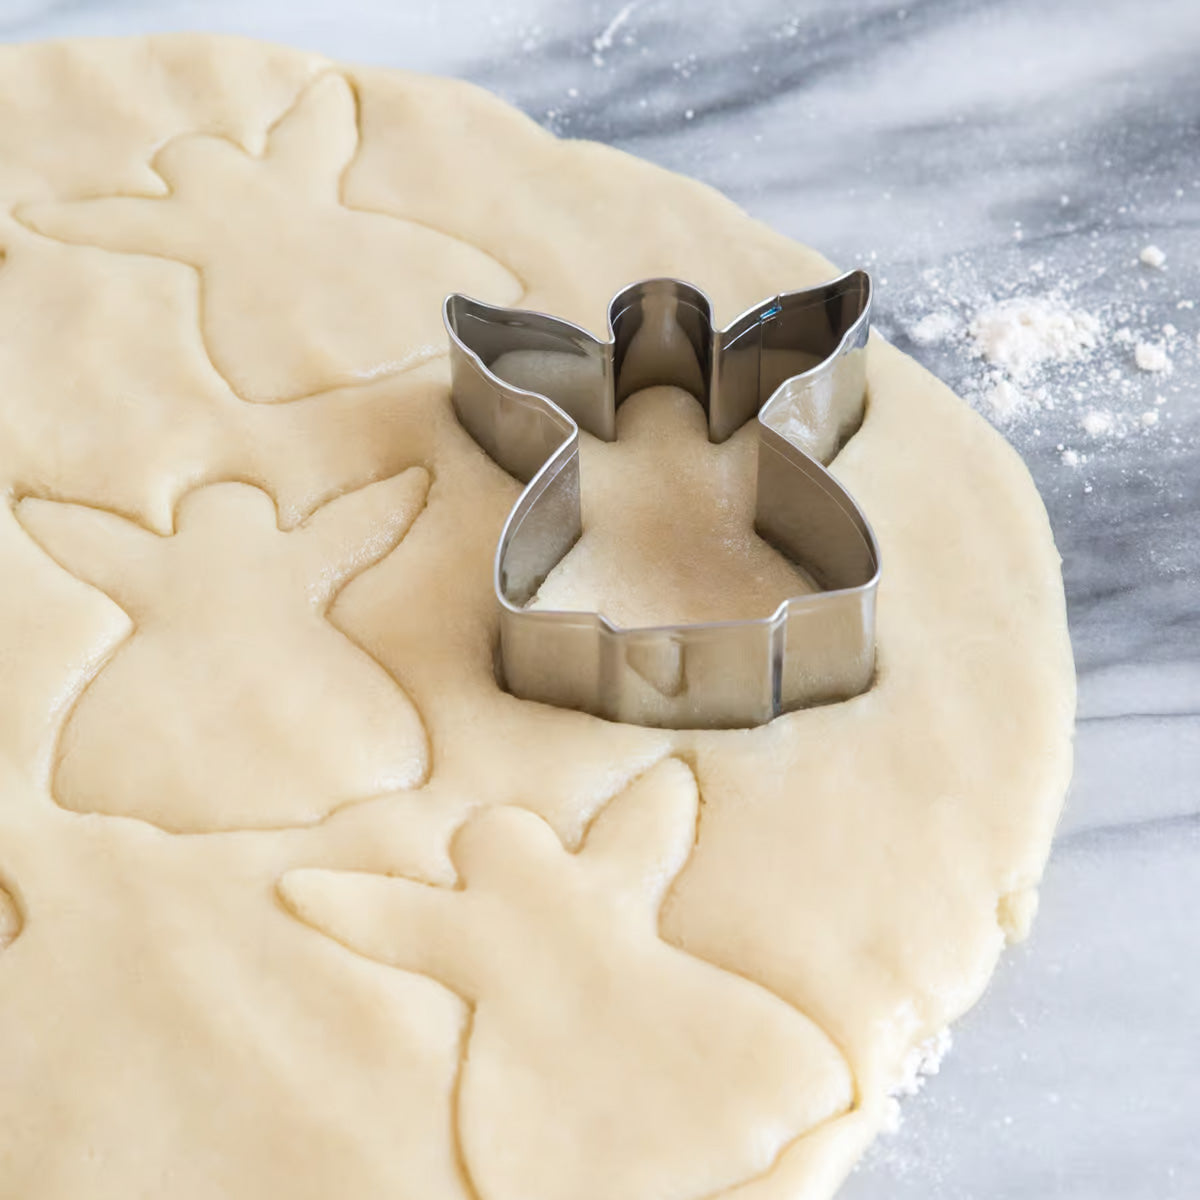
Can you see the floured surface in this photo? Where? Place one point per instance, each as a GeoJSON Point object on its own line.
{"type": "Point", "coordinates": [802, 903]}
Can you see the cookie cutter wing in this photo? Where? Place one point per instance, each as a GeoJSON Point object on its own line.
{"type": "Point", "coordinates": [524, 384]}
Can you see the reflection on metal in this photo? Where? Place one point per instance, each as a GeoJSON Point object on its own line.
{"type": "Point", "coordinates": [795, 364]}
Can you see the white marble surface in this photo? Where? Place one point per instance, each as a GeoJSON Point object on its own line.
{"type": "Point", "coordinates": [943, 136]}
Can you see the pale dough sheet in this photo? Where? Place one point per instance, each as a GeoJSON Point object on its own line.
{"type": "Point", "coordinates": [295, 901]}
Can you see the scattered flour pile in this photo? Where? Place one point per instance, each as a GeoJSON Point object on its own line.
{"type": "Point", "coordinates": [1018, 338]}
{"type": "Point", "coordinates": [1040, 355]}
{"type": "Point", "coordinates": [1023, 334]}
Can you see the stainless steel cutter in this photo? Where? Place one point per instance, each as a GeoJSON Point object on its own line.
{"type": "Point", "coordinates": [795, 363]}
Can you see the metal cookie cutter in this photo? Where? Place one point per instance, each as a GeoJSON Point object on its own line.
{"type": "Point", "coordinates": [796, 362]}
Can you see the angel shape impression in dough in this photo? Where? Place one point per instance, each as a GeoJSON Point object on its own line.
{"type": "Point", "coordinates": [234, 703]}
{"type": "Point", "coordinates": [299, 292]}
{"type": "Point", "coordinates": [601, 1061]}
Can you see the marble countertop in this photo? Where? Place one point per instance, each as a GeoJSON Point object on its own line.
{"type": "Point", "coordinates": [965, 151]}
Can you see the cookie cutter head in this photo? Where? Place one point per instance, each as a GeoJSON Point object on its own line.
{"type": "Point", "coordinates": [523, 385]}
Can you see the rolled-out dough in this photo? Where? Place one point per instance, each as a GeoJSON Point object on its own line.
{"type": "Point", "coordinates": [294, 900]}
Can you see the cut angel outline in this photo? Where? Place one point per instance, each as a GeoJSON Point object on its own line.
{"type": "Point", "coordinates": [600, 1060]}
{"type": "Point", "coordinates": [234, 703]}
{"type": "Point", "coordinates": [300, 292]}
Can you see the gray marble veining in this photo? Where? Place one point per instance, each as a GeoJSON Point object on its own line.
{"type": "Point", "coordinates": [983, 149]}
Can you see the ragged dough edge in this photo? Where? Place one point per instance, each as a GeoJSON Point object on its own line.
{"type": "Point", "coordinates": [814, 1168]}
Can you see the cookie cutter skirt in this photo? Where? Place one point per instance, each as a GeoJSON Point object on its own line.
{"type": "Point", "coordinates": [524, 384]}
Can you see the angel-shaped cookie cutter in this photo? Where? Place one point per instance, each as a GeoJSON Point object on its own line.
{"type": "Point", "coordinates": [796, 363]}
